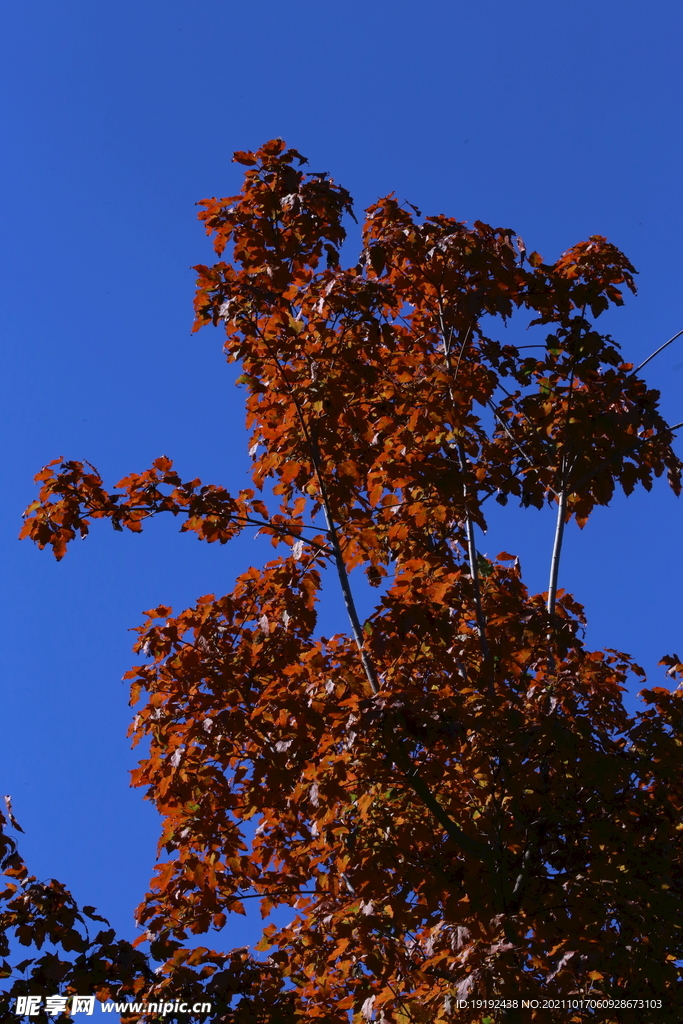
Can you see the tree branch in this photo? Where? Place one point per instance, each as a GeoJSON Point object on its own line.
{"type": "Point", "coordinates": [332, 534]}
{"type": "Point", "coordinates": [469, 525]}
{"type": "Point", "coordinates": [472, 847]}
{"type": "Point", "coordinates": [557, 546]}
{"type": "Point", "coordinates": [655, 353]}
{"type": "Point", "coordinates": [343, 576]}
{"type": "Point", "coordinates": [394, 745]}
{"type": "Point", "coordinates": [474, 569]}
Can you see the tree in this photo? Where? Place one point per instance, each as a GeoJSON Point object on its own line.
{"type": "Point", "coordinates": [451, 797]}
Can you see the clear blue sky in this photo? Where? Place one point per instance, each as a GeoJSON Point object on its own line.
{"type": "Point", "coordinates": [559, 120]}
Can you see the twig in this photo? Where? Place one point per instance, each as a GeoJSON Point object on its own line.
{"type": "Point", "coordinates": [655, 353]}
{"type": "Point", "coordinates": [504, 425]}
{"type": "Point", "coordinates": [462, 349]}
{"type": "Point", "coordinates": [474, 569]}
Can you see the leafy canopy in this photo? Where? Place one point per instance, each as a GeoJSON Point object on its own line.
{"type": "Point", "coordinates": [451, 796]}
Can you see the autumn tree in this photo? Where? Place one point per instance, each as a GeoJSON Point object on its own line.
{"type": "Point", "coordinates": [450, 796]}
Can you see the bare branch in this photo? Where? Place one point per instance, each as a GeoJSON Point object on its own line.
{"type": "Point", "coordinates": [655, 353]}
{"type": "Point", "coordinates": [557, 547]}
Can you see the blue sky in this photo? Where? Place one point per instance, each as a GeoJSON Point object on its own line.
{"type": "Point", "coordinates": [559, 120]}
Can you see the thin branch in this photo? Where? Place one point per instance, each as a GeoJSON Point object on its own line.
{"type": "Point", "coordinates": [462, 349]}
{"type": "Point", "coordinates": [505, 427]}
{"type": "Point", "coordinates": [565, 470]}
{"type": "Point", "coordinates": [332, 534]}
{"type": "Point", "coordinates": [469, 525]}
{"type": "Point", "coordinates": [267, 894]}
{"type": "Point", "coordinates": [474, 569]}
{"type": "Point", "coordinates": [655, 353]}
{"type": "Point", "coordinates": [263, 524]}
{"type": "Point", "coordinates": [337, 556]}
{"type": "Point", "coordinates": [557, 547]}
{"type": "Point", "coordinates": [347, 593]}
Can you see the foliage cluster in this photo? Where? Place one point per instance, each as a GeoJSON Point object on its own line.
{"type": "Point", "coordinates": [451, 797]}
